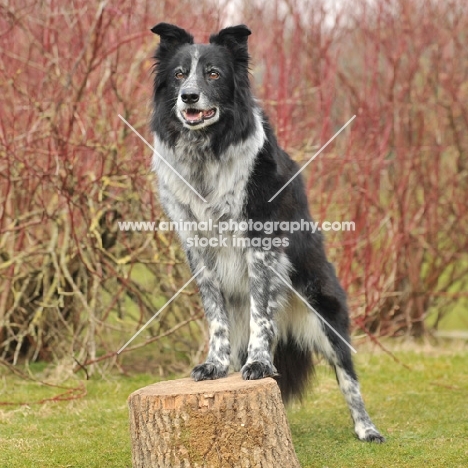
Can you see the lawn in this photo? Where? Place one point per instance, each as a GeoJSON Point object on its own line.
{"type": "Point", "coordinates": [422, 410]}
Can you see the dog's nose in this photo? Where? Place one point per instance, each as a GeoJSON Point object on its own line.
{"type": "Point", "coordinates": [190, 95]}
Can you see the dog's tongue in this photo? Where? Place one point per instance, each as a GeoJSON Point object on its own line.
{"type": "Point", "coordinates": [194, 115]}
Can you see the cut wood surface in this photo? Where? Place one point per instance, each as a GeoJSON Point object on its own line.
{"type": "Point", "coordinates": [225, 423]}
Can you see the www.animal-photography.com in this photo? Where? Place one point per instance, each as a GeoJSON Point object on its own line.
{"type": "Point", "coordinates": [233, 234]}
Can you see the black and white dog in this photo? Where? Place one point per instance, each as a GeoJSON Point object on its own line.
{"type": "Point", "coordinates": [211, 137]}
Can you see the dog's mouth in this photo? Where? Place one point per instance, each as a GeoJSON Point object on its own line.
{"type": "Point", "coordinates": [197, 116]}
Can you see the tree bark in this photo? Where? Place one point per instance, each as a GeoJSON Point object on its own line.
{"type": "Point", "coordinates": [221, 423]}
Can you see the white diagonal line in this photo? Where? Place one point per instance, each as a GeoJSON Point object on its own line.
{"type": "Point", "coordinates": [310, 307]}
{"type": "Point", "coordinates": [312, 158]}
{"type": "Point", "coordinates": [160, 310]}
{"type": "Point", "coordinates": [160, 157]}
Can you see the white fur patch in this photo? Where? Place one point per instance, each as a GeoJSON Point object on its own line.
{"type": "Point", "coordinates": [239, 323]}
{"type": "Point", "coordinates": [222, 182]}
{"type": "Point", "coordinates": [298, 321]}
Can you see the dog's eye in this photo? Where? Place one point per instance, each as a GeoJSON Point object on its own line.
{"type": "Point", "coordinates": [213, 75]}
{"type": "Point", "coordinates": [179, 75]}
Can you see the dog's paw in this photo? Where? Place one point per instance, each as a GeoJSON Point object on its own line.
{"type": "Point", "coordinates": [208, 371]}
{"type": "Point", "coordinates": [258, 370]}
{"type": "Point", "coordinates": [372, 435]}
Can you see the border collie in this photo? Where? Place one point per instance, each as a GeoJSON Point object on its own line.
{"type": "Point", "coordinates": [217, 160]}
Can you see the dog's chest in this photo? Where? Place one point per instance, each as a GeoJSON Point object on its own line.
{"type": "Point", "coordinates": [189, 173]}
{"type": "Point", "coordinates": [223, 184]}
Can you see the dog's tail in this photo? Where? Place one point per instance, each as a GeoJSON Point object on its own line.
{"type": "Point", "coordinates": [295, 367]}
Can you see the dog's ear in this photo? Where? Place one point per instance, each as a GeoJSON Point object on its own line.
{"type": "Point", "coordinates": [234, 35]}
{"type": "Point", "coordinates": [172, 36]}
{"type": "Point", "coordinates": [235, 39]}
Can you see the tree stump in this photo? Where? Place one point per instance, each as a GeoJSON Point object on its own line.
{"type": "Point", "coordinates": [222, 423]}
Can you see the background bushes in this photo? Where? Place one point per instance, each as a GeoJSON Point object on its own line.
{"type": "Point", "coordinates": [72, 286]}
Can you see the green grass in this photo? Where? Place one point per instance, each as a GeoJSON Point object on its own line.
{"type": "Point", "coordinates": [423, 412]}
{"type": "Point", "coordinates": [88, 432]}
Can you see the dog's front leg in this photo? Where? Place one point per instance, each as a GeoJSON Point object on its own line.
{"type": "Point", "coordinates": [219, 353]}
{"type": "Point", "coordinates": [266, 294]}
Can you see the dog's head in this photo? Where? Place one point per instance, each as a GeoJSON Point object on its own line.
{"type": "Point", "coordinates": [198, 83]}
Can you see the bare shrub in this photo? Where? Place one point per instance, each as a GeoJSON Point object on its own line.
{"type": "Point", "coordinates": [73, 284]}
